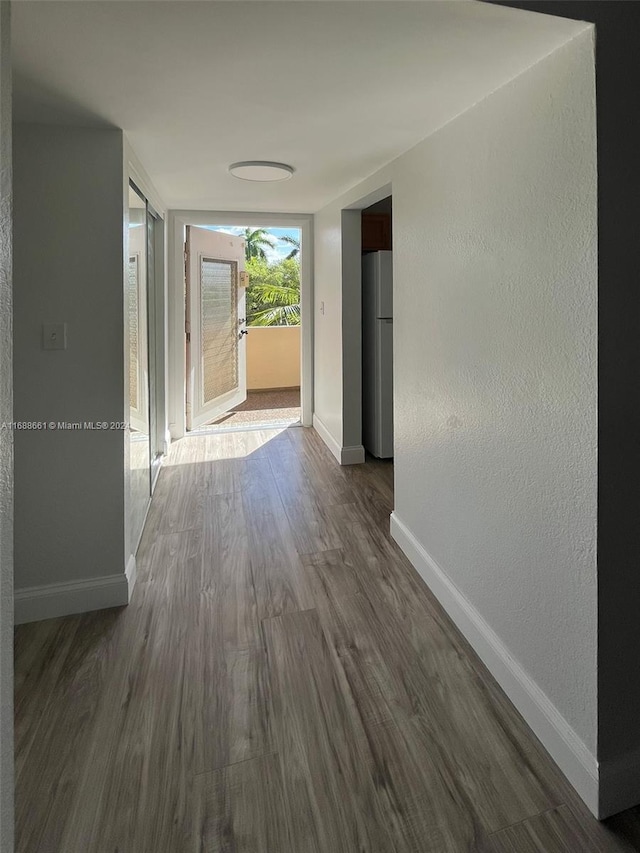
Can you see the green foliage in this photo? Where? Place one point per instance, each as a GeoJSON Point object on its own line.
{"type": "Point", "coordinates": [273, 295]}
{"type": "Point", "coordinates": [292, 241]}
{"type": "Point", "coordinates": [254, 242]}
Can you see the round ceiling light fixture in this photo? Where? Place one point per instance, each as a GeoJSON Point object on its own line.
{"type": "Point", "coordinates": [261, 170]}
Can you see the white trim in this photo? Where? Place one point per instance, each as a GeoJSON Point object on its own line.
{"type": "Point", "coordinates": [345, 455]}
{"type": "Point", "coordinates": [62, 599]}
{"type": "Point", "coordinates": [353, 455]}
{"type": "Point", "coordinates": [328, 439]}
{"type": "Point", "coordinates": [131, 573]}
{"type": "Point", "coordinates": [566, 748]}
{"type": "Point", "coordinates": [619, 784]}
{"type": "Point", "coordinates": [177, 220]}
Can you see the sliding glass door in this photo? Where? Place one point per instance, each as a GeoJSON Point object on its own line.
{"type": "Point", "coordinates": [156, 350]}
{"type": "Point", "coordinates": [144, 305]}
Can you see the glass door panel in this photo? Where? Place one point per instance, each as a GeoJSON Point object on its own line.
{"type": "Point", "coordinates": [138, 344]}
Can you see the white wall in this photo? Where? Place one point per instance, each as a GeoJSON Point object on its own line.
{"type": "Point", "coordinates": [352, 330]}
{"type": "Point", "coordinates": [496, 365]}
{"type": "Point", "coordinates": [337, 314]}
{"type": "Point", "coordinates": [68, 266]}
{"type": "Point", "coordinates": [495, 294]}
{"type": "Point", "coordinates": [6, 449]}
{"type": "Point", "coordinates": [327, 333]}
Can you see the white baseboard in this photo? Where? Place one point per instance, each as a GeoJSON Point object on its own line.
{"type": "Point", "coordinates": [345, 455]}
{"type": "Point", "coordinates": [328, 439]}
{"type": "Point", "coordinates": [62, 599]}
{"type": "Point", "coordinates": [352, 455]}
{"type": "Point", "coordinates": [566, 748]}
{"type": "Point", "coordinates": [131, 573]}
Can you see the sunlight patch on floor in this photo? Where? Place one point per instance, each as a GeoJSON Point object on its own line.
{"type": "Point", "coordinates": [209, 445]}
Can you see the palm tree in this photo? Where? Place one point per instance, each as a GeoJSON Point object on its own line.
{"type": "Point", "coordinates": [285, 313]}
{"type": "Point", "coordinates": [292, 241]}
{"type": "Point", "coordinates": [273, 296]}
{"type": "Point", "coordinates": [254, 242]}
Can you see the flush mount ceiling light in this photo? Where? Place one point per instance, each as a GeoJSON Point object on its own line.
{"type": "Point", "coordinates": [261, 170]}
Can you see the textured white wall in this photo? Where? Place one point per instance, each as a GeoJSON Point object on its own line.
{"type": "Point", "coordinates": [327, 309]}
{"type": "Point", "coordinates": [6, 448]}
{"type": "Point", "coordinates": [68, 263]}
{"type": "Point", "coordinates": [351, 275]}
{"type": "Point", "coordinates": [496, 345]}
{"type": "Point", "coordinates": [495, 363]}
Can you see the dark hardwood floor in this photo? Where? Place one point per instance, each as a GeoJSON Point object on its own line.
{"type": "Point", "coordinates": [282, 682]}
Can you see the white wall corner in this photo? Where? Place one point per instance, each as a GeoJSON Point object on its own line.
{"type": "Point", "coordinates": [35, 603]}
{"type": "Point", "coordinates": [565, 747]}
{"type": "Point", "coordinates": [344, 455]}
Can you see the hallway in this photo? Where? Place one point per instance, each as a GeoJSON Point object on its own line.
{"type": "Point", "coordinates": [282, 682]}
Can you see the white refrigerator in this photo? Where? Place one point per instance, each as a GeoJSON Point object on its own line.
{"type": "Point", "coordinates": [377, 354]}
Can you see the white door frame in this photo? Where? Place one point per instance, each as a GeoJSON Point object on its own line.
{"type": "Point", "coordinates": [178, 219]}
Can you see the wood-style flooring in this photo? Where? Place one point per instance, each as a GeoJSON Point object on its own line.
{"type": "Point", "coordinates": [282, 682]}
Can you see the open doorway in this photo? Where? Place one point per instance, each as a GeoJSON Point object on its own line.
{"type": "Point", "coordinates": [377, 330]}
{"type": "Point", "coordinates": [366, 230]}
{"type": "Point", "coordinates": [243, 326]}
{"type": "Point", "coordinates": [177, 331]}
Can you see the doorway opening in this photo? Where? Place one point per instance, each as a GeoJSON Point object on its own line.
{"type": "Point", "coordinates": [377, 330]}
{"type": "Point", "coordinates": [242, 326]}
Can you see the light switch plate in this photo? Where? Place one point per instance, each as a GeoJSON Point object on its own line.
{"type": "Point", "coordinates": [54, 335]}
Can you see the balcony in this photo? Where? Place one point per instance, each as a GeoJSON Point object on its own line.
{"type": "Point", "coordinates": [273, 357]}
{"type": "Point", "coordinates": [273, 379]}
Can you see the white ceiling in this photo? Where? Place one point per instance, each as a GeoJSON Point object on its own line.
{"type": "Point", "coordinates": [336, 89]}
